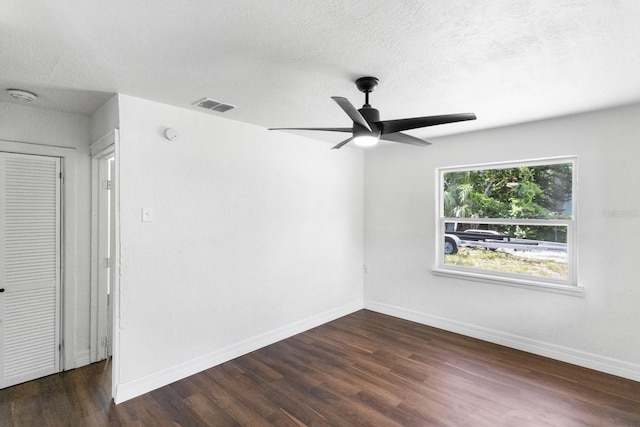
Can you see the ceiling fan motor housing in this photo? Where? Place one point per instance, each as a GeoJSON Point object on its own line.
{"type": "Point", "coordinates": [371, 115]}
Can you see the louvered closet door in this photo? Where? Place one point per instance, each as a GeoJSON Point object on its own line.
{"type": "Point", "coordinates": [29, 267]}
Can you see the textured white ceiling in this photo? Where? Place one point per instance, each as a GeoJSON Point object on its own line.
{"type": "Point", "coordinates": [279, 61]}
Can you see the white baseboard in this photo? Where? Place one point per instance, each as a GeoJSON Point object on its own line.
{"type": "Point", "coordinates": [131, 389]}
{"type": "Point", "coordinates": [576, 357]}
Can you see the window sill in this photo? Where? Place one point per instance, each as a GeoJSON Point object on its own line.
{"type": "Point", "coordinates": [577, 291]}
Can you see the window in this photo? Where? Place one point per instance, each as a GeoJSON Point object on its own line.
{"type": "Point", "coordinates": [508, 222]}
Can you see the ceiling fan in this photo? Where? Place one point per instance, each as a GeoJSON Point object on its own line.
{"type": "Point", "coordinates": [368, 129]}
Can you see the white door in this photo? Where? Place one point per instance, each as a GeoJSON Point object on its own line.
{"type": "Point", "coordinates": [30, 274]}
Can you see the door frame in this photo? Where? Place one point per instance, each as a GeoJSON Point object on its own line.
{"type": "Point", "coordinates": [68, 245]}
{"type": "Point", "coordinates": [103, 148]}
{"type": "Point", "coordinates": [36, 284]}
{"type": "Point", "coordinates": [99, 229]}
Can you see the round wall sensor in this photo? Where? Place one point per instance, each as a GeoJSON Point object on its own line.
{"type": "Point", "coordinates": [22, 95]}
{"type": "Point", "coordinates": [171, 134]}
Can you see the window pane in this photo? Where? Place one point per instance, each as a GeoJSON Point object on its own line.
{"type": "Point", "coordinates": [526, 192]}
{"type": "Point", "coordinates": [522, 249]}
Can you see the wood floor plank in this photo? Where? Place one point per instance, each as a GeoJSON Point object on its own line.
{"type": "Point", "coordinates": [365, 369]}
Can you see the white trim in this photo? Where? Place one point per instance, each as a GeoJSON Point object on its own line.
{"type": "Point", "coordinates": [103, 144]}
{"type": "Point", "coordinates": [93, 272]}
{"type": "Point", "coordinates": [70, 158]}
{"type": "Point", "coordinates": [565, 354]}
{"type": "Point", "coordinates": [139, 386]}
{"type": "Point", "coordinates": [115, 349]}
{"type": "Point", "coordinates": [470, 274]}
{"type": "Point", "coordinates": [100, 149]}
{"type": "Point", "coordinates": [512, 221]}
{"type": "Point", "coordinates": [542, 161]}
{"type": "Point", "coordinates": [47, 194]}
{"type": "Point", "coordinates": [38, 144]}
{"type": "Point", "coordinates": [23, 147]}
{"type": "Point", "coordinates": [505, 278]}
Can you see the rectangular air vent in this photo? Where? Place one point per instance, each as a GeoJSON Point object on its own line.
{"type": "Point", "coordinates": [211, 104]}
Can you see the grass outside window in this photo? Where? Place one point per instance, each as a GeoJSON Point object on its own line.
{"type": "Point", "coordinates": [513, 220]}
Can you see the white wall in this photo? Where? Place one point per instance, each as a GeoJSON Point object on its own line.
{"type": "Point", "coordinates": [105, 120]}
{"type": "Point", "coordinates": [256, 235]}
{"type": "Point", "coordinates": [599, 330]}
{"type": "Point", "coordinates": [23, 129]}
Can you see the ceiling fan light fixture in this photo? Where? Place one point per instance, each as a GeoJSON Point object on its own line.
{"type": "Point", "coordinates": [365, 140]}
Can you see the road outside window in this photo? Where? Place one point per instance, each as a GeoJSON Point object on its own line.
{"type": "Point", "coordinates": [510, 221]}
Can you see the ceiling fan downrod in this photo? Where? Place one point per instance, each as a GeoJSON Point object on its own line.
{"type": "Point", "coordinates": [366, 85]}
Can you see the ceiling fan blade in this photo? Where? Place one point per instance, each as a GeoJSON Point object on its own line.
{"type": "Point", "coordinates": [352, 112]}
{"type": "Point", "coordinates": [324, 129]}
{"type": "Point", "coordinates": [392, 126]}
{"type": "Point", "coordinates": [345, 142]}
{"type": "Point", "coordinates": [405, 139]}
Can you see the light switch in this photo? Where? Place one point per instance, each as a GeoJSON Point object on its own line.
{"type": "Point", "coordinates": [147, 214]}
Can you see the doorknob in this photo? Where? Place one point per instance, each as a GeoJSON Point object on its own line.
{"type": "Point", "coordinates": [1, 290]}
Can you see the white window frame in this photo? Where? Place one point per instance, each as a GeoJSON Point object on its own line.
{"type": "Point", "coordinates": [569, 286]}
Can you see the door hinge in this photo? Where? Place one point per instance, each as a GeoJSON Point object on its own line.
{"type": "Point", "coordinates": [107, 263]}
{"type": "Point", "coordinates": [61, 345]}
{"type": "Point", "coordinates": [108, 185]}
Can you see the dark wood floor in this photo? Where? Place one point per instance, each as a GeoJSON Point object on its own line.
{"type": "Point", "coordinates": [365, 369]}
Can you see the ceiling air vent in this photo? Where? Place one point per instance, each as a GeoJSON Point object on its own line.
{"type": "Point", "coordinates": [211, 104]}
